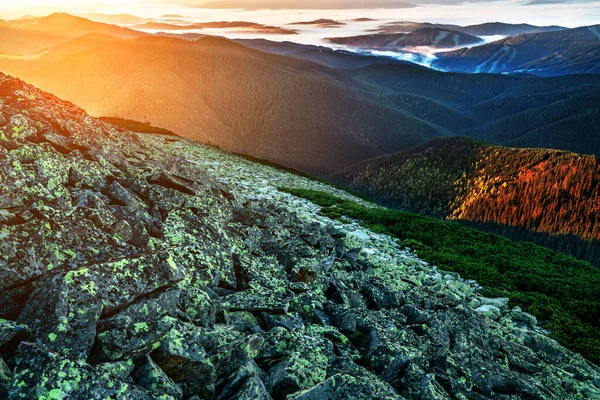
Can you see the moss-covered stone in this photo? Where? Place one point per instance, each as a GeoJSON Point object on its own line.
{"type": "Point", "coordinates": [40, 374]}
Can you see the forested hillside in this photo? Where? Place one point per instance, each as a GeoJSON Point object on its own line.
{"type": "Point", "coordinates": [546, 196]}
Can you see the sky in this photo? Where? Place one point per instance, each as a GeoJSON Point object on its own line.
{"type": "Point", "coordinates": [569, 13]}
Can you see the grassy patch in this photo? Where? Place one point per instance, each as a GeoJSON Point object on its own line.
{"type": "Point", "coordinates": [561, 291]}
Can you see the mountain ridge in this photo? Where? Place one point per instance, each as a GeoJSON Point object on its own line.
{"type": "Point", "coordinates": [568, 51]}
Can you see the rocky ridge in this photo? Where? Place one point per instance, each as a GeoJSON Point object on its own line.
{"type": "Point", "coordinates": [139, 266]}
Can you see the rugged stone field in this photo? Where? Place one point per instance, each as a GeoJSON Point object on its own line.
{"type": "Point", "coordinates": [140, 266]}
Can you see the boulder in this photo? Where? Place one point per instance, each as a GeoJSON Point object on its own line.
{"type": "Point", "coordinates": [5, 378]}
{"type": "Point", "coordinates": [233, 356]}
{"type": "Point", "coordinates": [149, 375]}
{"type": "Point", "coordinates": [137, 329]}
{"type": "Point", "coordinates": [184, 360]}
{"type": "Point", "coordinates": [10, 329]}
{"type": "Point", "coordinates": [42, 374]}
{"type": "Point", "coordinates": [489, 311]}
{"type": "Point", "coordinates": [297, 372]}
{"type": "Point", "coordinates": [64, 309]}
{"type": "Point", "coordinates": [252, 389]}
{"type": "Point", "coordinates": [499, 302]}
{"type": "Point", "coordinates": [242, 321]}
{"type": "Point", "coordinates": [348, 387]}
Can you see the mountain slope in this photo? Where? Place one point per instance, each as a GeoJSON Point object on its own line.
{"type": "Point", "coordinates": [243, 100]}
{"type": "Point", "coordinates": [499, 28]}
{"type": "Point", "coordinates": [485, 29]}
{"type": "Point", "coordinates": [572, 51]}
{"type": "Point", "coordinates": [307, 116]}
{"type": "Point", "coordinates": [33, 36]}
{"type": "Point", "coordinates": [538, 190]}
{"type": "Point", "coordinates": [138, 266]}
{"type": "Point", "coordinates": [338, 59]}
{"type": "Point", "coordinates": [431, 37]}
{"type": "Point", "coordinates": [558, 112]}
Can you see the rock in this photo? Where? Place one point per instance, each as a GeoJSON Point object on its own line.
{"type": "Point", "coordinates": [233, 356]}
{"type": "Point", "coordinates": [184, 360]}
{"type": "Point", "coordinates": [10, 329]}
{"type": "Point", "coordinates": [242, 321]}
{"type": "Point", "coordinates": [42, 374]}
{"type": "Point", "coordinates": [348, 387]}
{"type": "Point", "coordinates": [498, 302]}
{"type": "Point", "coordinates": [196, 306]}
{"type": "Point", "coordinates": [474, 304]}
{"type": "Point", "coordinates": [256, 300]}
{"type": "Point", "coordinates": [287, 321]}
{"type": "Point", "coordinates": [246, 383]}
{"type": "Point", "coordinates": [121, 369]}
{"type": "Point", "coordinates": [5, 378]}
{"type": "Point", "coordinates": [518, 315]}
{"type": "Point", "coordinates": [64, 309]}
{"type": "Point", "coordinates": [489, 311]}
{"type": "Point", "coordinates": [296, 372]}
{"type": "Point", "coordinates": [253, 389]}
{"type": "Point", "coordinates": [62, 315]}
{"type": "Point", "coordinates": [149, 375]}
{"type": "Point", "coordinates": [414, 315]}
{"type": "Point", "coordinates": [124, 231]}
{"type": "Point", "coordinates": [136, 330]}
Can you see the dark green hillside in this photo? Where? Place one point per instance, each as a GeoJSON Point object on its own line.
{"type": "Point", "coordinates": [559, 112]}
{"type": "Point", "coordinates": [544, 196]}
{"type": "Point", "coordinates": [558, 289]}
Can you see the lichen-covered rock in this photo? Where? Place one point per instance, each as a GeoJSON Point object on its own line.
{"type": "Point", "coordinates": [122, 369]}
{"type": "Point", "coordinates": [10, 329]}
{"type": "Point", "coordinates": [252, 389]}
{"type": "Point", "coordinates": [180, 271]}
{"type": "Point", "coordinates": [296, 372]}
{"type": "Point", "coordinates": [134, 331]}
{"type": "Point", "coordinates": [349, 387]}
{"type": "Point", "coordinates": [5, 378]}
{"type": "Point", "coordinates": [196, 306]}
{"type": "Point", "coordinates": [149, 375]}
{"type": "Point", "coordinates": [233, 356]}
{"type": "Point", "coordinates": [63, 316]}
{"type": "Point", "coordinates": [242, 321]}
{"type": "Point", "coordinates": [182, 357]}
{"type": "Point", "coordinates": [64, 309]}
{"type": "Point", "coordinates": [40, 374]}
{"type": "Point", "coordinates": [229, 386]}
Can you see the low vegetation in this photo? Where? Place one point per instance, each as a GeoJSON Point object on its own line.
{"type": "Point", "coordinates": [559, 290]}
{"type": "Point", "coordinates": [544, 196]}
{"type": "Point", "coordinates": [137, 126]}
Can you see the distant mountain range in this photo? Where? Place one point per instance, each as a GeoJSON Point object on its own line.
{"type": "Point", "coordinates": [431, 37]}
{"type": "Point", "coordinates": [486, 29]}
{"type": "Point", "coordinates": [572, 51]}
{"type": "Point", "coordinates": [546, 196]}
{"type": "Point", "coordinates": [341, 59]}
{"type": "Point", "coordinates": [34, 35]}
